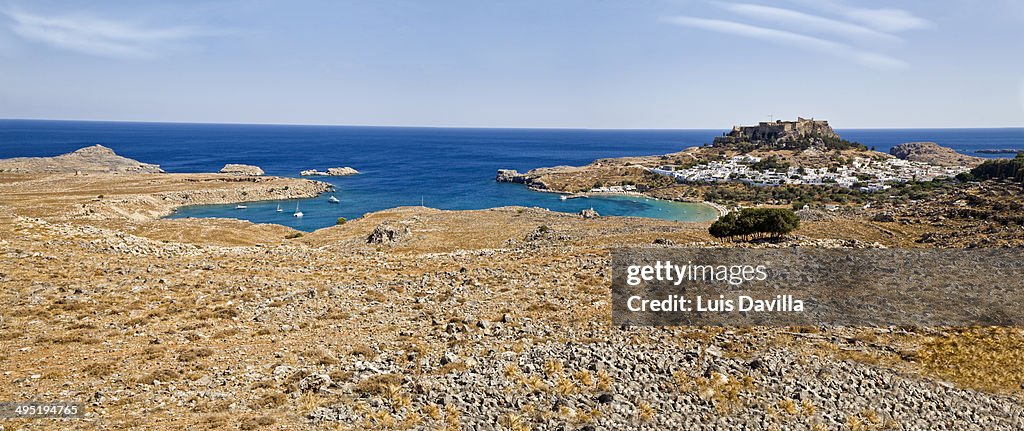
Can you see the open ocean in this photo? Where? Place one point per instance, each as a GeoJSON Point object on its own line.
{"type": "Point", "coordinates": [446, 168]}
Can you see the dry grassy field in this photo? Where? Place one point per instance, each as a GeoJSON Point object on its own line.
{"type": "Point", "coordinates": [416, 318]}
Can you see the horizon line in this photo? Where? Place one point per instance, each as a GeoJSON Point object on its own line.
{"type": "Point", "coordinates": [214, 123]}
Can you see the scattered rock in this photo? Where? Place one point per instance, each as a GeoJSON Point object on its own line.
{"type": "Point", "coordinates": [315, 383]}
{"type": "Point", "coordinates": [330, 172]}
{"type": "Point", "coordinates": [884, 217]}
{"type": "Point", "coordinates": [588, 214]}
{"type": "Point", "coordinates": [449, 358]}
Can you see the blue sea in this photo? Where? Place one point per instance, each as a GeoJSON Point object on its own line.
{"type": "Point", "coordinates": [446, 168]}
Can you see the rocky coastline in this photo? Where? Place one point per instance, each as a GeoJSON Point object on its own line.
{"type": "Point", "coordinates": [108, 187]}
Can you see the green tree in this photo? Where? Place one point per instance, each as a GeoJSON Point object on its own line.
{"type": "Point", "coordinates": [751, 223]}
{"type": "Point", "coordinates": [1012, 169]}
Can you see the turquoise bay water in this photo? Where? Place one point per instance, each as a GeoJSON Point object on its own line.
{"type": "Point", "coordinates": [444, 168]}
{"type": "Point", "coordinates": [318, 212]}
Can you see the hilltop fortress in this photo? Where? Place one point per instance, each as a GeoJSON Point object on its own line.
{"type": "Point", "coordinates": [800, 134]}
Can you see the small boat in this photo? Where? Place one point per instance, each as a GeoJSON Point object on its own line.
{"type": "Point", "coordinates": [279, 208]}
{"type": "Point", "coordinates": [297, 213]}
{"type": "Point", "coordinates": [240, 207]}
{"type": "Point", "coordinates": [333, 200]}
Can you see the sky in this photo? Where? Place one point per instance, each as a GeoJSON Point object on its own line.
{"type": "Point", "coordinates": [673, 64]}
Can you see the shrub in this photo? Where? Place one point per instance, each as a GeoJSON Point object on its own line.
{"type": "Point", "coordinates": [293, 235]}
{"type": "Point", "coordinates": [341, 220]}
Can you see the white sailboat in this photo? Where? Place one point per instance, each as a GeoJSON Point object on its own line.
{"type": "Point", "coordinates": [279, 208]}
{"type": "Point", "coordinates": [297, 212]}
{"type": "Point", "coordinates": [333, 199]}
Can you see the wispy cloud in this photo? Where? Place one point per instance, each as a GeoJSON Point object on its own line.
{"type": "Point", "coordinates": [866, 58]}
{"type": "Point", "coordinates": [853, 33]}
{"type": "Point", "coordinates": [882, 19]}
{"type": "Point", "coordinates": [805, 21]}
{"type": "Point", "coordinates": [97, 36]}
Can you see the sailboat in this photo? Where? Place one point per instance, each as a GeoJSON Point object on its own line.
{"type": "Point", "coordinates": [297, 212]}
{"type": "Point", "coordinates": [333, 199]}
{"type": "Point", "coordinates": [279, 208]}
{"type": "Point", "coordinates": [240, 207]}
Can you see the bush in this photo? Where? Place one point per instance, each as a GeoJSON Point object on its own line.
{"type": "Point", "coordinates": [755, 223]}
{"type": "Point", "coordinates": [293, 235]}
{"type": "Point", "coordinates": [341, 220]}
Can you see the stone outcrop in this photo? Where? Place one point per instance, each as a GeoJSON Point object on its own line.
{"type": "Point", "coordinates": [801, 133]}
{"type": "Point", "coordinates": [588, 213]}
{"type": "Point", "coordinates": [387, 233]}
{"type": "Point", "coordinates": [94, 159]}
{"type": "Point", "coordinates": [237, 169]}
{"type": "Point", "coordinates": [934, 154]}
{"type": "Point", "coordinates": [510, 176]}
{"type": "Point", "coordinates": [530, 179]}
{"type": "Point", "coordinates": [330, 172]}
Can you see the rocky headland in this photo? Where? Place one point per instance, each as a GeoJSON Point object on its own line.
{"type": "Point", "coordinates": [94, 159]}
{"type": "Point", "coordinates": [932, 153]}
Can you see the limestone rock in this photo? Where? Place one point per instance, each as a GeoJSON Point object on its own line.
{"type": "Point", "coordinates": [330, 172]}
{"type": "Point", "coordinates": [315, 383]}
{"type": "Point", "coordinates": [237, 169]}
{"type": "Point", "coordinates": [779, 133]}
{"type": "Point", "coordinates": [337, 172]}
{"type": "Point", "coordinates": [509, 176]}
{"type": "Point", "coordinates": [589, 213]}
{"type": "Point", "coordinates": [387, 233]}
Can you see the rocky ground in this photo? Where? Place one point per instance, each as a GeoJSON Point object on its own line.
{"type": "Point", "coordinates": [414, 318]}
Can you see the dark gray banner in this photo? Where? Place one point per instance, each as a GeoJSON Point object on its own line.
{"type": "Point", "coordinates": [810, 286]}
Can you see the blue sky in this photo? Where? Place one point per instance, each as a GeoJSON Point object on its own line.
{"type": "Point", "coordinates": [545, 63]}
